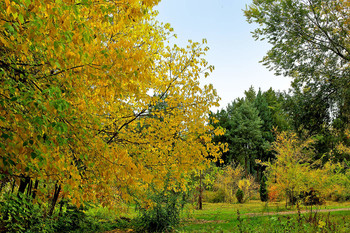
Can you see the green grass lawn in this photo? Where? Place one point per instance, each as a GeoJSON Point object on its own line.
{"type": "Point", "coordinates": [222, 217]}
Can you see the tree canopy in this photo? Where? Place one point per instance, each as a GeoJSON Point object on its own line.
{"type": "Point", "coordinates": [310, 42]}
{"type": "Point", "coordinates": [80, 85]}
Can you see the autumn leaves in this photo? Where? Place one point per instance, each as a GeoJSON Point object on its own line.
{"type": "Point", "coordinates": [94, 103]}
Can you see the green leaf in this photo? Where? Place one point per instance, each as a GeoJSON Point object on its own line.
{"type": "Point", "coordinates": [33, 155]}
{"type": "Point", "coordinates": [20, 17]}
{"type": "Point", "coordinates": [9, 28]}
{"type": "Point", "coordinates": [5, 135]}
{"type": "Point", "coordinates": [58, 64]}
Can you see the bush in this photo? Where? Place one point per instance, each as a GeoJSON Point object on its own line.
{"type": "Point", "coordinates": [248, 186]}
{"type": "Point", "coordinates": [240, 195]}
{"type": "Point", "coordinates": [312, 197]}
{"type": "Point", "coordinates": [218, 196]}
{"type": "Point", "coordinates": [229, 180]}
{"type": "Point", "coordinates": [274, 193]}
{"type": "Point", "coordinates": [75, 219]}
{"type": "Point", "coordinates": [263, 190]}
{"type": "Point", "coordinates": [162, 216]}
{"type": "Point", "coordinates": [20, 214]}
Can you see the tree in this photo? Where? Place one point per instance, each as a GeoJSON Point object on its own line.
{"type": "Point", "coordinates": [81, 85]}
{"type": "Point", "coordinates": [263, 148]}
{"type": "Point", "coordinates": [310, 116]}
{"type": "Point", "coordinates": [310, 42]}
{"type": "Point", "coordinates": [275, 101]}
{"type": "Point", "coordinates": [262, 190]}
{"type": "Point", "coordinates": [294, 174]}
{"type": "Point", "coordinates": [288, 173]}
{"type": "Point", "coordinates": [222, 119]}
{"type": "Point", "coordinates": [245, 133]}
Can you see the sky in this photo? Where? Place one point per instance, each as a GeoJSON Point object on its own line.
{"type": "Point", "coordinates": [234, 53]}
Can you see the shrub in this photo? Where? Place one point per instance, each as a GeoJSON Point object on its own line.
{"type": "Point", "coordinates": [248, 186]}
{"type": "Point", "coordinates": [263, 190]}
{"type": "Point", "coordinates": [218, 196]}
{"type": "Point", "coordinates": [163, 215]}
{"type": "Point", "coordinates": [240, 195]}
{"type": "Point", "coordinates": [21, 214]}
{"type": "Point", "coordinates": [229, 181]}
{"type": "Point", "coordinates": [274, 193]}
{"type": "Point", "coordinates": [312, 197]}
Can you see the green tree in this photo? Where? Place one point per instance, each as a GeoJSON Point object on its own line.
{"type": "Point", "coordinates": [253, 117]}
{"type": "Point", "coordinates": [309, 37]}
{"type": "Point", "coordinates": [310, 42]}
{"type": "Point", "coordinates": [246, 134]}
{"type": "Point", "coordinates": [263, 147]}
{"type": "Point", "coordinates": [310, 116]}
{"type": "Point", "coordinates": [275, 101]}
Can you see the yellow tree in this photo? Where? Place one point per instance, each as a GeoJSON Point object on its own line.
{"type": "Point", "coordinates": [288, 173]}
{"type": "Point", "coordinates": [93, 102]}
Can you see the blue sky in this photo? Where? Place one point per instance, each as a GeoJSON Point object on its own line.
{"type": "Point", "coordinates": [233, 51]}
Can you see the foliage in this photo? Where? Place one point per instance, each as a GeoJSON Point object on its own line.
{"type": "Point", "coordinates": [310, 43]}
{"type": "Point", "coordinates": [309, 38]}
{"type": "Point", "coordinates": [248, 186]}
{"type": "Point", "coordinates": [294, 175]}
{"type": "Point", "coordinates": [19, 214]}
{"type": "Point", "coordinates": [262, 190]}
{"type": "Point", "coordinates": [218, 196]}
{"type": "Point", "coordinates": [228, 181]}
{"type": "Point", "coordinates": [95, 105]}
{"type": "Point", "coordinates": [248, 123]}
{"type": "Point", "coordinates": [162, 215]}
{"type": "Point", "coordinates": [75, 220]}
{"type": "Point", "coordinates": [240, 195]}
{"type": "Point", "coordinates": [289, 172]}
{"type": "Point", "coordinates": [242, 125]}
{"type": "Point", "coordinates": [245, 132]}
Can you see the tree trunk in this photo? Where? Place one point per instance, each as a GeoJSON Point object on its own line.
{"type": "Point", "coordinates": [251, 170]}
{"type": "Point", "coordinates": [35, 189]}
{"type": "Point", "coordinates": [29, 189]}
{"type": "Point", "coordinates": [200, 199]}
{"type": "Point", "coordinates": [54, 199]}
{"type": "Point", "coordinates": [22, 185]}
{"type": "Point", "coordinates": [13, 186]}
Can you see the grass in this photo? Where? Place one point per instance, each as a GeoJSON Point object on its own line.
{"type": "Point", "coordinates": [223, 217]}
{"type": "Point", "coordinates": [337, 222]}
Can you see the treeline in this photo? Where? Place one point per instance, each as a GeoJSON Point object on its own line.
{"type": "Point", "coordinates": [252, 122]}
{"type": "Point", "coordinates": [309, 43]}
{"type": "Point", "coordinates": [258, 125]}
